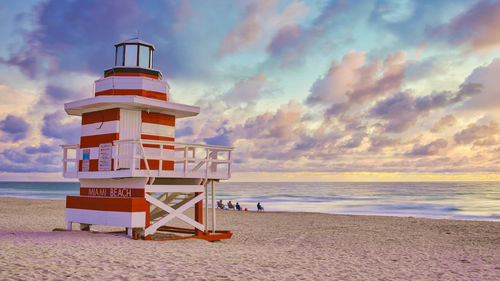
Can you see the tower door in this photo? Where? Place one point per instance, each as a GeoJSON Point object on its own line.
{"type": "Point", "coordinates": [130, 129]}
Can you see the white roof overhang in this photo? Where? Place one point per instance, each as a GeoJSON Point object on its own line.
{"type": "Point", "coordinates": [130, 102]}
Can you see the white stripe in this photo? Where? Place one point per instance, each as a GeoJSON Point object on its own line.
{"type": "Point", "coordinates": [124, 219]}
{"type": "Point", "coordinates": [158, 130]}
{"type": "Point", "coordinates": [144, 83]}
{"type": "Point", "coordinates": [100, 128]}
{"type": "Point", "coordinates": [175, 188]}
{"type": "Point", "coordinates": [124, 183]}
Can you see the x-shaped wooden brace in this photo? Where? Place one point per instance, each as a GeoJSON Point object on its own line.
{"type": "Point", "coordinates": [173, 213]}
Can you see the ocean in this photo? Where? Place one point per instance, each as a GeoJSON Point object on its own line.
{"type": "Point", "coordinates": [452, 200]}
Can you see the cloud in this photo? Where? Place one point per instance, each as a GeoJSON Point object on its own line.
{"type": "Point", "coordinates": [15, 101]}
{"type": "Point", "coordinates": [257, 17]}
{"type": "Point", "coordinates": [429, 149]}
{"type": "Point", "coordinates": [394, 11]}
{"type": "Point", "coordinates": [15, 156]}
{"type": "Point", "coordinates": [355, 80]}
{"type": "Point", "coordinates": [487, 78]}
{"type": "Point", "coordinates": [13, 129]}
{"type": "Point", "coordinates": [246, 90]}
{"type": "Point", "coordinates": [403, 109]}
{"type": "Point", "coordinates": [222, 138]}
{"type": "Point", "coordinates": [398, 110]}
{"type": "Point", "coordinates": [377, 143]}
{"type": "Point", "coordinates": [18, 161]}
{"type": "Point", "coordinates": [476, 28]}
{"type": "Point", "coordinates": [54, 127]}
{"type": "Point", "coordinates": [282, 124]}
{"type": "Point", "coordinates": [69, 36]}
{"type": "Point", "coordinates": [285, 38]}
{"type": "Point", "coordinates": [292, 41]}
{"type": "Point", "coordinates": [42, 148]}
{"type": "Point", "coordinates": [353, 142]}
{"type": "Point", "coordinates": [57, 95]}
{"type": "Point", "coordinates": [248, 31]}
{"type": "Point", "coordinates": [478, 134]}
{"type": "Point", "coordinates": [181, 132]}
{"type": "Point", "coordinates": [446, 121]}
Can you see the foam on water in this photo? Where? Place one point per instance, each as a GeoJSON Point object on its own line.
{"type": "Point", "coordinates": [459, 200]}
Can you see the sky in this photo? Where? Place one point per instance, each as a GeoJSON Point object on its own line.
{"type": "Point", "coordinates": [388, 90]}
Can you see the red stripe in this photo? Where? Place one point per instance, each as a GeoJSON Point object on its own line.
{"type": "Point", "coordinates": [133, 92]}
{"type": "Point", "coordinates": [107, 204]}
{"type": "Point", "coordinates": [95, 141]}
{"type": "Point", "coordinates": [133, 74]}
{"type": "Point", "coordinates": [93, 165]}
{"type": "Point", "coordinates": [101, 116]}
{"type": "Point", "coordinates": [158, 146]}
{"type": "Point", "coordinates": [158, 118]}
{"type": "Point", "coordinates": [155, 165]}
{"type": "Point", "coordinates": [151, 137]}
{"type": "Point", "coordinates": [112, 192]}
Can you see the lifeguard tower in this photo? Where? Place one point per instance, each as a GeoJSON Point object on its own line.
{"type": "Point", "coordinates": [132, 173]}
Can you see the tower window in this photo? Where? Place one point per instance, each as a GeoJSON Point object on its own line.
{"type": "Point", "coordinates": [131, 55]}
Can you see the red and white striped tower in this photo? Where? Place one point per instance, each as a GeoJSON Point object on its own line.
{"type": "Point", "coordinates": [132, 173]}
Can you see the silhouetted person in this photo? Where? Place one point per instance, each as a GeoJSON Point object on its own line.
{"type": "Point", "coordinates": [260, 208]}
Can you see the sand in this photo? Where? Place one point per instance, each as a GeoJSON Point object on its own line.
{"type": "Point", "coordinates": [264, 246]}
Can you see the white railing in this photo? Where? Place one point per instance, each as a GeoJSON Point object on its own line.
{"type": "Point", "coordinates": [185, 160]}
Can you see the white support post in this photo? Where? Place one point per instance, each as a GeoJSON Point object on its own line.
{"type": "Point", "coordinates": [129, 232]}
{"type": "Point", "coordinates": [116, 156]}
{"type": "Point", "coordinates": [185, 159]}
{"type": "Point", "coordinates": [70, 225]}
{"type": "Point", "coordinates": [229, 164]}
{"type": "Point", "coordinates": [213, 208]}
{"type": "Point", "coordinates": [132, 156]}
{"type": "Point", "coordinates": [161, 160]}
{"type": "Point", "coordinates": [207, 161]}
{"type": "Point", "coordinates": [206, 205]}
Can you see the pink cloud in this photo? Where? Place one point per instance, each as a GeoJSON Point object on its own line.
{"type": "Point", "coordinates": [246, 90]}
{"type": "Point", "coordinates": [248, 31]}
{"type": "Point", "coordinates": [285, 37]}
{"type": "Point", "coordinates": [446, 121]}
{"type": "Point", "coordinates": [355, 79]}
{"type": "Point", "coordinates": [429, 149]}
{"type": "Point", "coordinates": [258, 17]}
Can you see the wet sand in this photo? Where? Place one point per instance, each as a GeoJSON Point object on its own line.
{"type": "Point", "coordinates": [264, 246]}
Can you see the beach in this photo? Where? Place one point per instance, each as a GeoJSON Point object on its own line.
{"type": "Point", "coordinates": [264, 246]}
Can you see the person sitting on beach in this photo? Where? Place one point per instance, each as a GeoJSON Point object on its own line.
{"type": "Point", "coordinates": [260, 208]}
{"type": "Point", "coordinates": [238, 207]}
{"type": "Point", "coordinates": [220, 205]}
{"type": "Point", "coordinates": [230, 205]}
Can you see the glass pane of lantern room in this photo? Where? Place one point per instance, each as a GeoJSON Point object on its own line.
{"type": "Point", "coordinates": [144, 57]}
{"type": "Point", "coordinates": [131, 55]}
{"type": "Point", "coordinates": [119, 55]}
